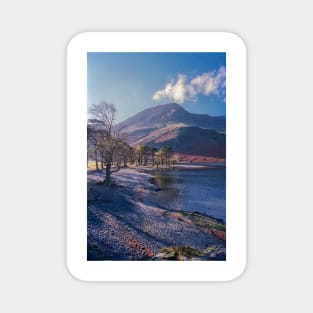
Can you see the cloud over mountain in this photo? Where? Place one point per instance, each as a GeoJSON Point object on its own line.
{"type": "Point", "coordinates": [182, 89]}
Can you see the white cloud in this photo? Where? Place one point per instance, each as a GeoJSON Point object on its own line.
{"type": "Point", "coordinates": [183, 90]}
{"type": "Point", "coordinates": [173, 90]}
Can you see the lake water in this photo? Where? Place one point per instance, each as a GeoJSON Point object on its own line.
{"type": "Point", "coordinates": [202, 190]}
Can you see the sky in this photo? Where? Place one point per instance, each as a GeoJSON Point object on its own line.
{"type": "Point", "coordinates": [136, 81]}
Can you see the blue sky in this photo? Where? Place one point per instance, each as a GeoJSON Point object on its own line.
{"type": "Point", "coordinates": [136, 81]}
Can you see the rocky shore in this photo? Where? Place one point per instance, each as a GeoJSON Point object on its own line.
{"type": "Point", "coordinates": [123, 224]}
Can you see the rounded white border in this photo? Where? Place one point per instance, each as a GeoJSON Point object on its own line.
{"type": "Point", "coordinates": [235, 144]}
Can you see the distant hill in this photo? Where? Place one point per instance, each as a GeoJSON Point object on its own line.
{"type": "Point", "coordinates": [193, 136]}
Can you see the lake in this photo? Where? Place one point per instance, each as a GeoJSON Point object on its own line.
{"type": "Point", "coordinates": [202, 190]}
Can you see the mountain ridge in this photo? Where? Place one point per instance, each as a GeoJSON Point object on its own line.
{"type": "Point", "coordinates": [171, 113]}
{"type": "Point", "coordinates": [190, 135]}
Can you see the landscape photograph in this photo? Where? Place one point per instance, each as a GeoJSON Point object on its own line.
{"type": "Point", "coordinates": [156, 156]}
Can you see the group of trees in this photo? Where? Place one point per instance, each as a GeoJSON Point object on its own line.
{"type": "Point", "coordinates": [156, 157]}
{"type": "Point", "coordinates": [106, 144]}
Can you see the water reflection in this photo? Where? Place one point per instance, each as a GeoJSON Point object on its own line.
{"type": "Point", "coordinates": [192, 190]}
{"type": "Point", "coordinates": [164, 179]}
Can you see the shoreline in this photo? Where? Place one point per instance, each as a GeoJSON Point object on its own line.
{"type": "Point", "coordinates": [124, 224]}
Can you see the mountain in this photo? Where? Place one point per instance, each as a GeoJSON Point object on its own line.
{"type": "Point", "coordinates": [171, 113]}
{"type": "Point", "coordinates": [187, 140]}
{"type": "Point", "coordinates": [191, 136]}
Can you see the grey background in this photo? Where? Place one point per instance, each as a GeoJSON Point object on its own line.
{"type": "Point", "coordinates": [34, 35]}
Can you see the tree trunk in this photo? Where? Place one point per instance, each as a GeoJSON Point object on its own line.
{"type": "Point", "coordinates": [102, 160]}
{"type": "Point", "coordinates": [108, 174]}
{"type": "Point", "coordinates": [96, 158]}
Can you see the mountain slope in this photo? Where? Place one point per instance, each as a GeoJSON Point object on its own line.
{"type": "Point", "coordinates": [168, 114]}
{"type": "Point", "coordinates": [187, 140]}
{"type": "Point", "coordinates": [186, 133]}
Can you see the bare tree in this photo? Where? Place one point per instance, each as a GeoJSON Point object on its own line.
{"type": "Point", "coordinates": [93, 145]}
{"type": "Point", "coordinates": [104, 114]}
{"type": "Point", "coordinates": [123, 154]}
